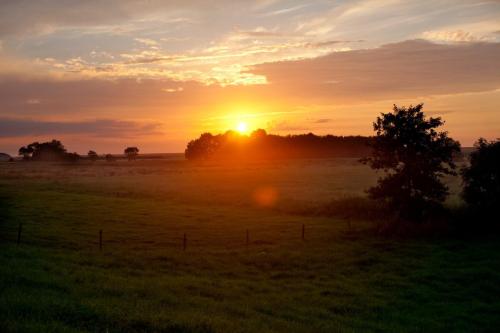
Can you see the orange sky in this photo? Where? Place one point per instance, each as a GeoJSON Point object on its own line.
{"type": "Point", "coordinates": [156, 74]}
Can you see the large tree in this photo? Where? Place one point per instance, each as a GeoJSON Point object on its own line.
{"type": "Point", "coordinates": [414, 157]}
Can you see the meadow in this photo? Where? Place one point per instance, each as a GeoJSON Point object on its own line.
{"type": "Point", "coordinates": [341, 277]}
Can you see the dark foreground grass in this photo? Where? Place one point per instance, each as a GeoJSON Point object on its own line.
{"type": "Point", "coordinates": [338, 279]}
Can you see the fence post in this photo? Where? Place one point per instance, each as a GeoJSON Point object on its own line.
{"type": "Point", "coordinates": [303, 232]}
{"type": "Point", "coordinates": [184, 243]}
{"type": "Point", "coordinates": [19, 231]}
{"type": "Point", "coordinates": [100, 240]}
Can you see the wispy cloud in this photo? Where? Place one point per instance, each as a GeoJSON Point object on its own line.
{"type": "Point", "coordinates": [323, 120]}
{"type": "Point", "coordinates": [455, 36]}
{"type": "Point", "coordinates": [147, 41]}
{"type": "Point", "coordinates": [285, 10]}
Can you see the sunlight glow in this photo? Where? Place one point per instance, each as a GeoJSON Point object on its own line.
{"type": "Point", "coordinates": [242, 127]}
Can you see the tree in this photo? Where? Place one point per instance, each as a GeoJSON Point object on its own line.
{"type": "Point", "coordinates": [414, 157]}
{"type": "Point", "coordinates": [26, 152]}
{"type": "Point", "coordinates": [109, 158]}
{"type": "Point", "coordinates": [71, 157]}
{"type": "Point", "coordinates": [131, 153]}
{"type": "Point", "coordinates": [260, 145]}
{"type": "Point", "coordinates": [258, 134]}
{"type": "Point", "coordinates": [92, 155]}
{"type": "Point", "coordinates": [45, 151]}
{"type": "Point", "coordinates": [481, 178]}
{"type": "Point", "coordinates": [203, 147]}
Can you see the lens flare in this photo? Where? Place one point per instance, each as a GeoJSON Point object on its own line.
{"type": "Point", "coordinates": [265, 196]}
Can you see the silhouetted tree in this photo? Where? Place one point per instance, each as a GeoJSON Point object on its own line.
{"type": "Point", "coordinates": [203, 147]}
{"type": "Point", "coordinates": [26, 152]}
{"type": "Point", "coordinates": [258, 134]}
{"type": "Point", "coordinates": [481, 177]}
{"type": "Point", "coordinates": [414, 157]}
{"type": "Point", "coordinates": [92, 155]}
{"type": "Point", "coordinates": [131, 152]}
{"type": "Point", "coordinates": [109, 158]}
{"type": "Point", "coordinates": [260, 145]}
{"type": "Point", "coordinates": [45, 151]}
{"type": "Point", "coordinates": [71, 157]}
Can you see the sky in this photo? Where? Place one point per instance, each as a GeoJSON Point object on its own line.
{"type": "Point", "coordinates": [104, 75]}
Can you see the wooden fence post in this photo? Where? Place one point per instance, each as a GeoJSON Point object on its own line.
{"type": "Point", "coordinates": [19, 231]}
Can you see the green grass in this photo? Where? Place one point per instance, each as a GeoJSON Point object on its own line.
{"type": "Point", "coordinates": [338, 279]}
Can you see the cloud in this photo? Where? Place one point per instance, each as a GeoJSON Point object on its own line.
{"type": "Point", "coordinates": [259, 32]}
{"type": "Point", "coordinates": [20, 17]}
{"type": "Point", "coordinates": [147, 41]}
{"type": "Point", "coordinates": [409, 69]}
{"type": "Point", "coordinates": [285, 126]}
{"type": "Point", "coordinates": [285, 10]}
{"type": "Point", "coordinates": [200, 40]}
{"type": "Point", "coordinates": [27, 17]}
{"type": "Point", "coordinates": [322, 121]}
{"type": "Point", "coordinates": [33, 101]}
{"type": "Point", "coordinates": [455, 36]}
{"type": "Point", "coordinates": [11, 127]}
{"type": "Point", "coordinates": [64, 97]}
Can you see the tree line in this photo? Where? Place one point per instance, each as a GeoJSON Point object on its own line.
{"type": "Point", "coordinates": [55, 151]}
{"type": "Point", "coordinates": [260, 145]}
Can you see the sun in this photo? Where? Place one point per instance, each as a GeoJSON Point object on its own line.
{"type": "Point", "coordinates": [242, 127]}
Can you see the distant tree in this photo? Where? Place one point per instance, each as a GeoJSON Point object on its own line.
{"type": "Point", "coordinates": [71, 157]}
{"type": "Point", "coordinates": [203, 147]}
{"type": "Point", "coordinates": [258, 134]}
{"type": "Point", "coordinates": [92, 155]}
{"type": "Point", "coordinates": [131, 153]}
{"type": "Point", "coordinates": [414, 157]}
{"type": "Point", "coordinates": [26, 152]}
{"type": "Point", "coordinates": [481, 178]}
{"type": "Point", "coordinates": [109, 158]}
{"type": "Point", "coordinates": [45, 151]}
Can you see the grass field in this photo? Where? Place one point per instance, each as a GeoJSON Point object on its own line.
{"type": "Point", "coordinates": [342, 277]}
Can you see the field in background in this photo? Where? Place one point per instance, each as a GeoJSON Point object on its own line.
{"type": "Point", "coordinates": [342, 277]}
